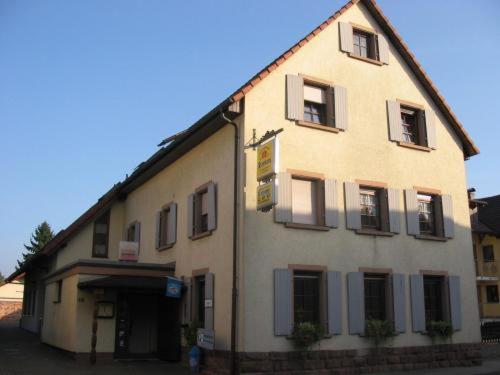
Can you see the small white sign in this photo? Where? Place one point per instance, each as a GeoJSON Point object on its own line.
{"type": "Point", "coordinates": [209, 303]}
{"type": "Point", "coordinates": [128, 251]}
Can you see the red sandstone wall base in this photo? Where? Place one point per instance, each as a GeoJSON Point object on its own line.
{"type": "Point", "coordinates": [10, 310]}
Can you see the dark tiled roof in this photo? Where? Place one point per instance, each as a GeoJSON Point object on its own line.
{"type": "Point", "coordinates": [489, 215]}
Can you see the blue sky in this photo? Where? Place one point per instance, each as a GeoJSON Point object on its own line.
{"type": "Point", "coordinates": [89, 88]}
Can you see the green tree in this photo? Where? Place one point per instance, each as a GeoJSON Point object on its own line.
{"type": "Point", "coordinates": [42, 235]}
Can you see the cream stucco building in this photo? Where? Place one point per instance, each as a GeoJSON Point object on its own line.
{"type": "Point", "coordinates": [371, 221]}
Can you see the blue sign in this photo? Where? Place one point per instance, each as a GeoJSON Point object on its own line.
{"type": "Point", "coordinates": [174, 287]}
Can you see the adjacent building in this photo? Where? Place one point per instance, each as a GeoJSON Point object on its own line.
{"type": "Point", "coordinates": [485, 223]}
{"type": "Point", "coordinates": [11, 300]}
{"type": "Point", "coordinates": [371, 222]}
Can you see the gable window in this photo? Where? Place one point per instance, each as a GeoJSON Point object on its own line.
{"type": "Point", "coordinates": [488, 254]}
{"type": "Point", "coordinates": [307, 201]}
{"type": "Point", "coordinates": [364, 44]}
{"type": "Point", "coordinates": [101, 236]}
{"type": "Point", "coordinates": [492, 294]}
{"type": "Point", "coordinates": [202, 211]}
{"type": "Point", "coordinates": [306, 296]}
{"type": "Point", "coordinates": [375, 296]}
{"type": "Point", "coordinates": [426, 214]}
{"type": "Point", "coordinates": [370, 208]}
{"type": "Point", "coordinates": [315, 98]}
{"type": "Point", "coordinates": [410, 126]}
{"type": "Point", "coordinates": [433, 298]}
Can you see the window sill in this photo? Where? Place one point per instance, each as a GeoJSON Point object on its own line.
{"type": "Point", "coordinates": [430, 238]}
{"type": "Point", "coordinates": [366, 59]}
{"type": "Point", "coordinates": [314, 125]}
{"type": "Point", "coordinates": [370, 232]}
{"type": "Point", "coordinates": [56, 302]}
{"type": "Point", "coordinates": [307, 226]}
{"type": "Point", "coordinates": [201, 235]}
{"type": "Point", "coordinates": [99, 256]}
{"type": "Point", "coordinates": [165, 247]}
{"type": "Point", "coordinates": [414, 146]}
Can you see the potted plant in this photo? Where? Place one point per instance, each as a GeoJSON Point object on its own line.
{"type": "Point", "coordinates": [305, 334]}
{"type": "Point", "coordinates": [379, 331]}
{"type": "Point", "coordinates": [439, 330]}
{"type": "Point", "coordinates": [190, 333]}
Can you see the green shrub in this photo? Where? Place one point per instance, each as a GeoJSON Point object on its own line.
{"type": "Point", "coordinates": [191, 333]}
{"type": "Point", "coordinates": [379, 331]}
{"type": "Point", "coordinates": [306, 334]}
{"type": "Point", "coordinates": [439, 330]}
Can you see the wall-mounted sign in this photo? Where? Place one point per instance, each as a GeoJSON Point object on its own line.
{"type": "Point", "coordinates": [267, 159]}
{"type": "Point", "coordinates": [209, 303]}
{"type": "Point", "coordinates": [206, 339]}
{"type": "Point", "coordinates": [128, 251]}
{"type": "Point", "coordinates": [105, 310]}
{"type": "Point", "coordinates": [174, 287]}
{"type": "Point", "coordinates": [266, 195]}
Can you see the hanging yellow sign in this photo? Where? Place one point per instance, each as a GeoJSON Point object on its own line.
{"type": "Point", "coordinates": [265, 195]}
{"type": "Point", "coordinates": [267, 159]}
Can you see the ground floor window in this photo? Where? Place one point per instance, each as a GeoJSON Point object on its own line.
{"type": "Point", "coordinates": [492, 294]}
{"type": "Point", "coordinates": [433, 298]}
{"type": "Point", "coordinates": [375, 296]}
{"type": "Point", "coordinates": [200, 300]}
{"type": "Point", "coordinates": [306, 296]}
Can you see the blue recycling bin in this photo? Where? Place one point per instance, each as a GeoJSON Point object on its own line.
{"type": "Point", "coordinates": [194, 359]}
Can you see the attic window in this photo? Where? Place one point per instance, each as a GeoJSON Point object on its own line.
{"type": "Point", "coordinates": [365, 44]}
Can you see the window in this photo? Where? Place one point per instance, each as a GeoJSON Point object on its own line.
{"type": "Point", "coordinates": [375, 296]}
{"type": "Point", "coordinates": [132, 232]}
{"type": "Point", "coordinates": [410, 125]}
{"type": "Point", "coordinates": [101, 235]}
{"type": "Point", "coordinates": [306, 296]}
{"type": "Point", "coordinates": [315, 98]}
{"type": "Point", "coordinates": [370, 208]}
{"type": "Point", "coordinates": [58, 291]}
{"type": "Point", "coordinates": [163, 227]}
{"type": "Point", "coordinates": [426, 214]}
{"type": "Point", "coordinates": [200, 299]}
{"type": "Point", "coordinates": [492, 293]}
{"type": "Point", "coordinates": [307, 201]}
{"type": "Point", "coordinates": [202, 206]}
{"type": "Point", "coordinates": [433, 298]}
{"type": "Point", "coordinates": [488, 254]}
{"type": "Point", "coordinates": [365, 44]}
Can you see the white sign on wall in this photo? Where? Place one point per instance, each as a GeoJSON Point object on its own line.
{"type": "Point", "coordinates": [128, 251]}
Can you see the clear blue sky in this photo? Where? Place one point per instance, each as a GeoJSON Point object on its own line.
{"type": "Point", "coordinates": [88, 88]}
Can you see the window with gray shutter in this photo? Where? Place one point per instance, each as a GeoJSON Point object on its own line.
{"type": "Point", "coordinates": [282, 302]}
{"type": "Point", "coordinates": [411, 202]}
{"type": "Point", "coordinates": [430, 128]}
{"type": "Point", "coordinates": [334, 302]}
{"type": "Point", "coordinates": [294, 97]}
{"type": "Point", "coordinates": [399, 302]}
{"type": "Point", "coordinates": [383, 49]}
{"type": "Point", "coordinates": [455, 307]}
{"type": "Point", "coordinates": [158, 230]}
{"type": "Point", "coordinates": [331, 204]}
{"type": "Point", "coordinates": [209, 301]}
{"type": "Point", "coordinates": [346, 39]}
{"type": "Point", "coordinates": [137, 234]}
{"type": "Point", "coordinates": [283, 208]}
{"type": "Point", "coordinates": [212, 206]}
{"type": "Point", "coordinates": [394, 210]}
{"type": "Point", "coordinates": [352, 205]}
{"type": "Point", "coordinates": [447, 205]}
{"type": "Point", "coordinates": [190, 215]}
{"type": "Point", "coordinates": [340, 103]}
{"type": "Point", "coordinates": [356, 302]}
{"type": "Point", "coordinates": [417, 303]}
{"type": "Point", "coordinates": [394, 117]}
{"type": "Point", "coordinates": [172, 224]}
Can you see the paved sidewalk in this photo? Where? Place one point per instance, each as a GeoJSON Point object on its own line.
{"type": "Point", "coordinates": [489, 367]}
{"type": "Point", "coordinates": [22, 354]}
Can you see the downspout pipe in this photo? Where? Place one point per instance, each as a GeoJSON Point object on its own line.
{"type": "Point", "coordinates": [234, 290]}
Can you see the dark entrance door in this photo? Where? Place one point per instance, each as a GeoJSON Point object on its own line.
{"type": "Point", "coordinates": [169, 329]}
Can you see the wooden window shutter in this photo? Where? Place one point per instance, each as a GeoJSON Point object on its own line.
{"type": "Point", "coordinates": [172, 224]}
{"type": "Point", "coordinates": [383, 49]}
{"type": "Point", "coordinates": [394, 117]}
{"type": "Point", "coordinates": [417, 303]}
{"type": "Point", "coordinates": [383, 197]}
{"type": "Point", "coordinates": [455, 306]}
{"type": "Point", "coordinates": [330, 106]}
{"type": "Point", "coordinates": [352, 206]}
{"type": "Point", "coordinates": [283, 208]}
{"type": "Point", "coordinates": [448, 223]}
{"type": "Point", "coordinates": [411, 202]}
{"type": "Point", "coordinates": [331, 203]}
{"type": "Point", "coordinates": [158, 229]}
{"type": "Point", "coordinates": [209, 295]}
{"type": "Point", "coordinates": [340, 97]}
{"type": "Point", "coordinates": [137, 233]}
{"type": "Point", "coordinates": [394, 210]}
{"type": "Point", "coordinates": [212, 206]}
{"type": "Point", "coordinates": [283, 302]}
{"type": "Point", "coordinates": [190, 215]}
{"type": "Point", "coordinates": [438, 215]}
{"type": "Point", "coordinates": [187, 302]}
{"type": "Point", "coordinates": [356, 302]}
{"type": "Point", "coordinates": [399, 302]}
{"type": "Point", "coordinates": [294, 97]}
{"type": "Point", "coordinates": [346, 38]}
{"type": "Point", "coordinates": [334, 302]}
{"type": "Point", "coordinates": [430, 128]}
